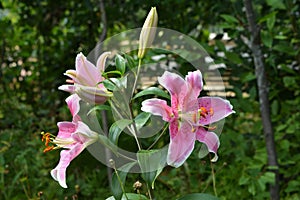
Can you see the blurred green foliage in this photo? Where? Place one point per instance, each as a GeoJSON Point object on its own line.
{"type": "Point", "coordinates": [39, 41]}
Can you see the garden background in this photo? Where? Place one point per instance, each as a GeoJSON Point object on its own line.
{"type": "Point", "coordinates": [40, 40]}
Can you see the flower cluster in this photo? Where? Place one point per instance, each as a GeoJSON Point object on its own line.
{"type": "Point", "coordinates": [189, 116]}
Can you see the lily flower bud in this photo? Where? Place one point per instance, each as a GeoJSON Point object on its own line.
{"type": "Point", "coordinates": [148, 32]}
{"type": "Point", "coordinates": [93, 94]}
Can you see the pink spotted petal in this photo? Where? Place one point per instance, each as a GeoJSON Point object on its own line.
{"type": "Point", "coordinates": [194, 80]}
{"type": "Point", "coordinates": [173, 128]}
{"type": "Point", "coordinates": [181, 146]}
{"type": "Point", "coordinates": [157, 107]}
{"type": "Point", "coordinates": [210, 139]}
{"type": "Point", "coordinates": [66, 156]}
{"type": "Point", "coordinates": [101, 61]}
{"type": "Point", "coordinates": [65, 129]}
{"type": "Point", "coordinates": [87, 73]}
{"type": "Point", "coordinates": [176, 86]}
{"type": "Point", "coordinates": [220, 109]}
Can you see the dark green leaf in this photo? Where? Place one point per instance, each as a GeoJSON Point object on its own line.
{"type": "Point", "coordinates": [285, 48]}
{"type": "Point", "coordinates": [266, 38]}
{"type": "Point", "coordinates": [276, 4]}
{"type": "Point", "coordinates": [233, 57]}
{"type": "Point", "coordinates": [198, 196]}
{"type": "Point", "coordinates": [130, 62]}
{"type": "Point", "coordinates": [152, 91]}
{"type": "Point", "coordinates": [116, 129]}
{"type": "Point", "coordinates": [230, 18]}
{"type": "Point", "coordinates": [271, 21]}
{"type": "Point", "coordinates": [120, 63]}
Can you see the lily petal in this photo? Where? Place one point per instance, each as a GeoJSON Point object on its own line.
{"type": "Point", "coordinates": [157, 107]}
{"type": "Point", "coordinates": [210, 139]}
{"type": "Point", "coordinates": [66, 156]}
{"type": "Point", "coordinates": [101, 62]}
{"type": "Point", "coordinates": [217, 108]}
{"type": "Point", "coordinates": [87, 73]}
{"type": "Point", "coordinates": [181, 145]}
{"type": "Point", "coordinates": [67, 88]}
{"type": "Point", "coordinates": [176, 86]}
{"type": "Point", "coordinates": [84, 134]}
{"type": "Point", "coordinates": [65, 129]}
{"type": "Point", "coordinates": [194, 79]}
{"type": "Point", "coordinates": [73, 104]}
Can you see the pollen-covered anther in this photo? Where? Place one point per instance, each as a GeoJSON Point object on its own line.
{"type": "Point", "coordinates": [211, 128]}
{"type": "Point", "coordinates": [46, 137]}
{"type": "Point", "coordinates": [193, 130]}
{"type": "Point", "coordinates": [48, 148]}
{"type": "Point", "coordinates": [211, 111]}
{"type": "Point", "coordinates": [203, 111]}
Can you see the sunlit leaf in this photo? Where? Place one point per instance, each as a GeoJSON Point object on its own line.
{"type": "Point", "coordinates": [152, 91]}
{"type": "Point", "coordinates": [116, 129]}
{"type": "Point", "coordinates": [141, 119]}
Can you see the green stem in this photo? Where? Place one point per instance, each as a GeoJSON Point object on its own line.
{"type": "Point", "coordinates": [120, 181]}
{"type": "Point", "coordinates": [164, 130]}
{"type": "Point", "coordinates": [149, 192]}
{"type": "Point", "coordinates": [213, 177]}
{"type": "Point", "coordinates": [131, 113]}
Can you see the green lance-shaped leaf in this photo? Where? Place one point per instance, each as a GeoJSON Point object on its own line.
{"type": "Point", "coordinates": [198, 196]}
{"type": "Point", "coordinates": [130, 62]}
{"type": "Point", "coordinates": [141, 119]}
{"type": "Point", "coordinates": [151, 163]}
{"type": "Point", "coordinates": [116, 187]}
{"type": "Point", "coordinates": [120, 63]}
{"type": "Point", "coordinates": [99, 108]}
{"type": "Point", "coordinates": [131, 196]}
{"type": "Point", "coordinates": [152, 91]}
{"type": "Point", "coordinates": [116, 129]}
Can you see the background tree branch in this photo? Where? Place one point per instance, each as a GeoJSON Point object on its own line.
{"type": "Point", "coordinates": [263, 96]}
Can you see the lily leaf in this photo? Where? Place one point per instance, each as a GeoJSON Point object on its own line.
{"type": "Point", "coordinates": [152, 163]}
{"type": "Point", "coordinates": [130, 62]}
{"type": "Point", "coordinates": [99, 107]}
{"type": "Point", "coordinates": [116, 187]}
{"type": "Point", "coordinates": [141, 119]}
{"type": "Point", "coordinates": [154, 91]}
{"type": "Point", "coordinates": [120, 63]}
{"type": "Point", "coordinates": [131, 196]}
{"type": "Point", "coordinates": [116, 129]}
{"type": "Point", "coordinates": [198, 196]}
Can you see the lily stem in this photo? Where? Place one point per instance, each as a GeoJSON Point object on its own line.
{"type": "Point", "coordinates": [135, 131]}
{"type": "Point", "coordinates": [120, 181]}
{"type": "Point", "coordinates": [157, 139]}
{"type": "Point", "coordinates": [213, 176]}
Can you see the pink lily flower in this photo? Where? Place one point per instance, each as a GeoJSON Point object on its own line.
{"type": "Point", "coordinates": [188, 115]}
{"type": "Point", "coordinates": [87, 79]}
{"type": "Point", "coordinates": [74, 137]}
